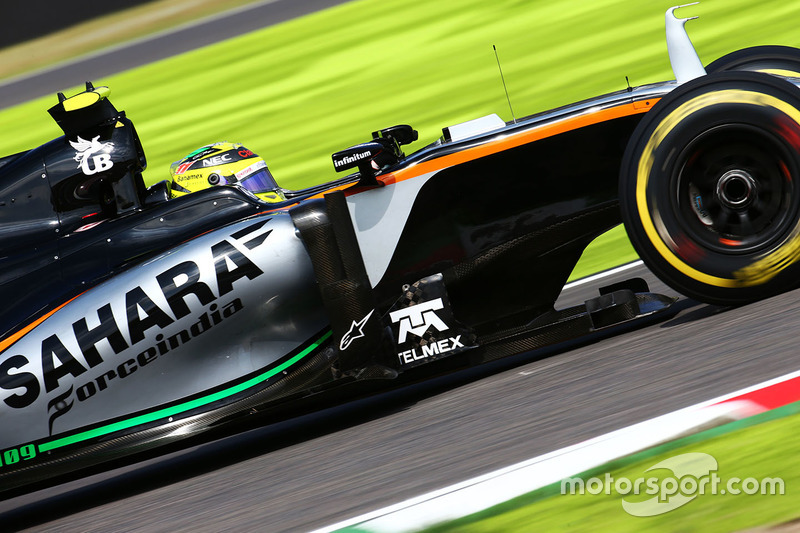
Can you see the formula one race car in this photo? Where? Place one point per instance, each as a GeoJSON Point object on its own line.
{"type": "Point", "coordinates": [131, 319]}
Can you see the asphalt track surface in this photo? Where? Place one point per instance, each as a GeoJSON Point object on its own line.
{"type": "Point", "coordinates": [347, 460]}
{"type": "Point", "coordinates": [118, 59]}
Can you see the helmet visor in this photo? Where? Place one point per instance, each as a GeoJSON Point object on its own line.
{"type": "Point", "coordinates": [259, 181]}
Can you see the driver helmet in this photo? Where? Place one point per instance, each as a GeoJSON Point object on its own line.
{"type": "Point", "coordinates": [224, 163]}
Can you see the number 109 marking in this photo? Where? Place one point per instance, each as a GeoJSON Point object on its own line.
{"type": "Point", "coordinates": [15, 455]}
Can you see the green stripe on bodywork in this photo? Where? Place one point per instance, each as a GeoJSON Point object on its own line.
{"type": "Point", "coordinates": [177, 409]}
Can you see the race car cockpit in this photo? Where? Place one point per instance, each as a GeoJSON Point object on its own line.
{"type": "Point", "coordinates": [90, 179]}
{"type": "Point", "coordinates": [226, 163]}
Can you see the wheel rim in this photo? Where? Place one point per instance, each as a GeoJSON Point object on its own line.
{"type": "Point", "coordinates": [734, 189]}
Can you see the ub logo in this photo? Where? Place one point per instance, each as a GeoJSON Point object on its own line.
{"type": "Point", "coordinates": [94, 151]}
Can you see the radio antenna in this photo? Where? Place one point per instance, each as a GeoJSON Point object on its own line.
{"type": "Point", "coordinates": [505, 88]}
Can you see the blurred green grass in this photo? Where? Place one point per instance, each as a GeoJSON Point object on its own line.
{"type": "Point", "coordinates": [754, 450]}
{"type": "Point", "coordinates": [298, 91]}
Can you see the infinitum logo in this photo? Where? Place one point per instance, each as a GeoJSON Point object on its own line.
{"type": "Point", "coordinates": [346, 160]}
{"type": "Point", "coordinates": [693, 475]}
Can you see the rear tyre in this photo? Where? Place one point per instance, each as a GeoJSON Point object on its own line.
{"type": "Point", "coordinates": [710, 187]}
{"type": "Point", "coordinates": [776, 60]}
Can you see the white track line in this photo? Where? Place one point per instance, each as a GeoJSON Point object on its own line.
{"type": "Point", "coordinates": [490, 489]}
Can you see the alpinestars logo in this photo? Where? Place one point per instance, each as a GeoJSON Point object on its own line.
{"type": "Point", "coordinates": [418, 318]}
{"type": "Point", "coordinates": [356, 332]}
{"type": "Point", "coordinates": [97, 152]}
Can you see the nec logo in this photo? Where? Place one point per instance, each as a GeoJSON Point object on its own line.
{"type": "Point", "coordinates": [418, 318]}
{"type": "Point", "coordinates": [217, 160]}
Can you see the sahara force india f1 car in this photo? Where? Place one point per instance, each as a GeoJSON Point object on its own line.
{"type": "Point", "coordinates": [131, 319]}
